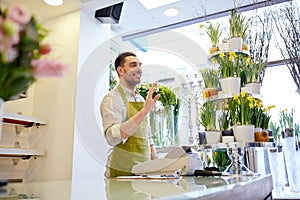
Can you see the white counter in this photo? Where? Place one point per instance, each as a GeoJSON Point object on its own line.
{"type": "Point", "coordinates": [230, 187]}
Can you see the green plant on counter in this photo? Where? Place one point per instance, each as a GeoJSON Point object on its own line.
{"type": "Point", "coordinates": [210, 77]}
{"type": "Point", "coordinates": [207, 114]}
{"type": "Point", "coordinates": [221, 159]}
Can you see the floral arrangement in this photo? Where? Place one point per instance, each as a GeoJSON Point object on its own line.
{"type": "Point", "coordinates": [241, 108]}
{"type": "Point", "coordinates": [244, 109]}
{"type": "Point", "coordinates": [230, 64]}
{"type": "Point", "coordinates": [23, 53]}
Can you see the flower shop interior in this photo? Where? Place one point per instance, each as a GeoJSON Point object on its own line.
{"type": "Point", "coordinates": [52, 143]}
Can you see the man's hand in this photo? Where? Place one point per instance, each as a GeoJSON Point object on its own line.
{"type": "Point", "coordinates": [150, 102]}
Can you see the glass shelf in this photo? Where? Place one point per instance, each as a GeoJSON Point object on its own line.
{"type": "Point", "coordinates": [226, 96]}
{"type": "Point", "coordinates": [20, 152]}
{"type": "Point", "coordinates": [22, 120]}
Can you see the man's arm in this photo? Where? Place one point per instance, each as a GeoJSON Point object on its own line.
{"type": "Point", "coordinates": [129, 127]}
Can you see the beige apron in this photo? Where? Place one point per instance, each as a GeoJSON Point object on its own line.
{"type": "Point", "coordinates": [136, 149]}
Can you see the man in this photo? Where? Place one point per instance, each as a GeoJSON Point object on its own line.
{"type": "Point", "coordinates": [124, 116]}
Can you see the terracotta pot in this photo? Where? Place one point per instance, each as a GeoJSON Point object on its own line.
{"type": "Point", "coordinates": [209, 92]}
{"type": "Point", "coordinates": [212, 50]}
{"type": "Point", "coordinates": [261, 136]}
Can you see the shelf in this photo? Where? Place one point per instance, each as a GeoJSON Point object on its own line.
{"type": "Point", "coordinates": [20, 153]}
{"type": "Point", "coordinates": [226, 96]}
{"type": "Point", "coordinates": [242, 52]}
{"type": "Point", "coordinates": [26, 121]}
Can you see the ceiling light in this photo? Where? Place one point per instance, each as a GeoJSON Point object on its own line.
{"type": "Point", "coordinates": [171, 12]}
{"type": "Point", "coordinates": [54, 2]}
{"type": "Point", "coordinates": [150, 4]}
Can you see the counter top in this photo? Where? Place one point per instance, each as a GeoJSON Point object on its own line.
{"type": "Point", "coordinates": [186, 187]}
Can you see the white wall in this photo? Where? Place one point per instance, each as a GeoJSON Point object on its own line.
{"type": "Point", "coordinates": [90, 148]}
{"type": "Point", "coordinates": [51, 99]}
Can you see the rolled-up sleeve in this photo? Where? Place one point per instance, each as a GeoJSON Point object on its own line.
{"type": "Point", "coordinates": [112, 112]}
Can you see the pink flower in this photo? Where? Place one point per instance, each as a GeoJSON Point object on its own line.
{"type": "Point", "coordinates": [48, 68]}
{"type": "Point", "coordinates": [18, 14]}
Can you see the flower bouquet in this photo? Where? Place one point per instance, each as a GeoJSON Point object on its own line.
{"type": "Point", "coordinates": [23, 53]}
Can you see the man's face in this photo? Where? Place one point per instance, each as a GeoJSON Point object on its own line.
{"type": "Point", "coordinates": [131, 71]}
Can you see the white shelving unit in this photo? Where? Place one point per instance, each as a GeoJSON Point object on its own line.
{"type": "Point", "coordinates": [18, 153]}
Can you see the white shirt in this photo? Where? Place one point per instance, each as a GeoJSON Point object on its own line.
{"type": "Point", "coordinates": [113, 111]}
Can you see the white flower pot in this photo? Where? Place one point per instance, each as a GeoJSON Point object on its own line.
{"type": "Point", "coordinates": [243, 133]}
{"type": "Point", "coordinates": [235, 44]}
{"type": "Point", "coordinates": [255, 87]}
{"type": "Point", "coordinates": [224, 47]}
{"type": "Point", "coordinates": [213, 137]}
{"type": "Point", "coordinates": [230, 85]}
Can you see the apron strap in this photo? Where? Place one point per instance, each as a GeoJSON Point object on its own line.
{"type": "Point", "coordinates": [122, 94]}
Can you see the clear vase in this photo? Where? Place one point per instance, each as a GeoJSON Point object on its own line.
{"type": "Point", "coordinates": [164, 127]}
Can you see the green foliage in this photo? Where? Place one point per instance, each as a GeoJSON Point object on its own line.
{"type": "Point", "coordinates": [230, 63]}
{"type": "Point", "coordinates": [210, 77]}
{"type": "Point", "coordinates": [214, 33]}
{"type": "Point", "coordinates": [224, 120]}
{"type": "Point", "coordinates": [275, 131]}
{"type": "Point", "coordinates": [253, 71]}
{"type": "Point", "coordinates": [221, 158]}
{"type": "Point", "coordinates": [113, 76]}
{"type": "Point", "coordinates": [238, 25]}
{"type": "Point", "coordinates": [207, 114]}
{"type": "Point", "coordinates": [286, 118]}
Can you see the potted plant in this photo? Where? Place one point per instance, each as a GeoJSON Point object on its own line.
{"type": "Point", "coordinates": [211, 81]}
{"type": "Point", "coordinates": [214, 34]}
{"type": "Point", "coordinates": [275, 128]}
{"type": "Point", "coordinates": [238, 26]}
{"type": "Point", "coordinates": [253, 72]}
{"type": "Point", "coordinates": [241, 112]}
{"type": "Point", "coordinates": [207, 113]}
{"type": "Point", "coordinates": [230, 65]}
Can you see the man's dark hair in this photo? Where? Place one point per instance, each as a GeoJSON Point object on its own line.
{"type": "Point", "coordinates": [121, 59]}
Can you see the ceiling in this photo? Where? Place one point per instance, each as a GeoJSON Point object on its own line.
{"type": "Point", "coordinates": [136, 21]}
{"type": "Point", "coordinates": [134, 16]}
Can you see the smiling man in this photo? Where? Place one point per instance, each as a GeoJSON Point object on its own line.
{"type": "Point", "coordinates": [124, 116]}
